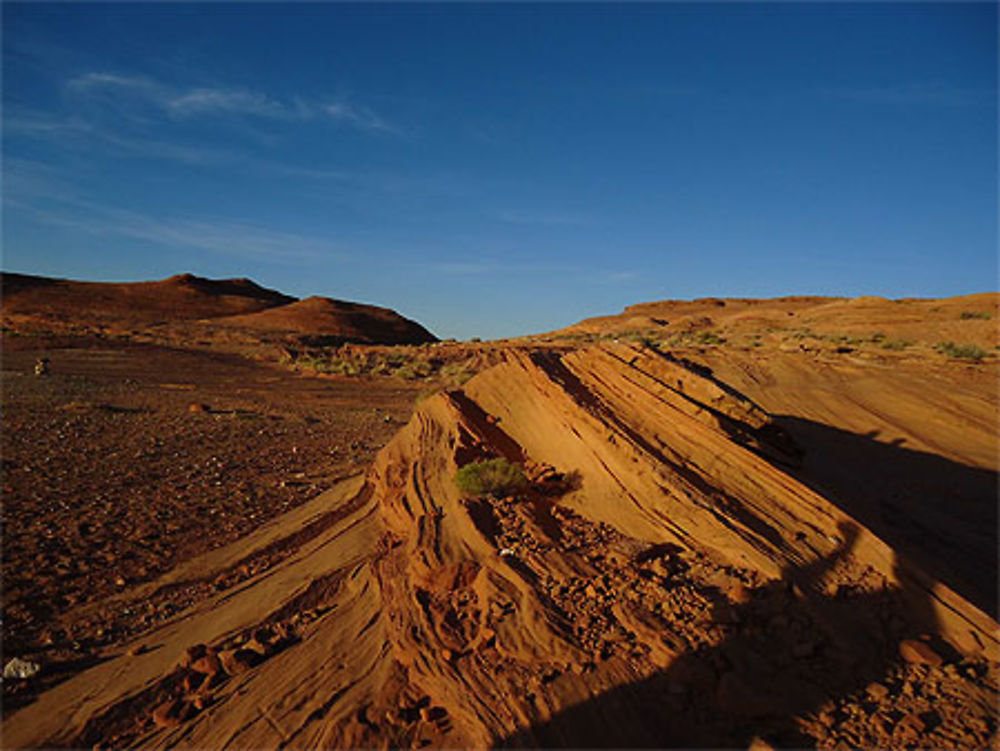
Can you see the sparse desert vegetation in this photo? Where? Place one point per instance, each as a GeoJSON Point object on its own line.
{"type": "Point", "coordinates": [962, 351]}
{"type": "Point", "coordinates": [490, 477]}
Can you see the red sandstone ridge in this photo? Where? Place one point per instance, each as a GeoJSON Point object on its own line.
{"type": "Point", "coordinates": [180, 297]}
{"type": "Point", "coordinates": [336, 319]}
{"type": "Point", "coordinates": [33, 301]}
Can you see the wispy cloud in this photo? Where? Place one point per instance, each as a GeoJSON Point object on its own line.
{"type": "Point", "coordinates": [361, 117]}
{"type": "Point", "coordinates": [222, 101]}
{"type": "Point", "coordinates": [180, 103]}
{"type": "Point", "coordinates": [43, 199]}
{"type": "Point", "coordinates": [76, 132]}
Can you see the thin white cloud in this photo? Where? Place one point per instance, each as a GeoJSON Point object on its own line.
{"type": "Point", "coordinates": [218, 235]}
{"type": "Point", "coordinates": [77, 132]}
{"type": "Point", "coordinates": [91, 81]}
{"type": "Point", "coordinates": [203, 101]}
{"type": "Point", "coordinates": [225, 101]}
{"type": "Point", "coordinates": [361, 117]}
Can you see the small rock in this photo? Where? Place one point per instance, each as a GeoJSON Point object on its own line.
{"type": "Point", "coordinates": [207, 665]}
{"type": "Point", "coordinates": [191, 654]}
{"type": "Point", "coordinates": [759, 744]}
{"type": "Point", "coordinates": [911, 726]}
{"type": "Point", "coordinates": [200, 701]}
{"type": "Point", "coordinates": [877, 691]}
{"type": "Point", "coordinates": [167, 715]}
{"type": "Point", "coordinates": [21, 669]}
{"type": "Point", "coordinates": [740, 594]}
{"type": "Point", "coordinates": [256, 645]}
{"type": "Point", "coordinates": [136, 649]}
{"type": "Point", "coordinates": [659, 568]}
{"type": "Point", "coordinates": [194, 407]}
{"type": "Point", "coordinates": [919, 653]}
{"type": "Point", "coordinates": [237, 661]}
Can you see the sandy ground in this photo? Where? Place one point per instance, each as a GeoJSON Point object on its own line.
{"type": "Point", "coordinates": [126, 461]}
{"type": "Point", "coordinates": [747, 524]}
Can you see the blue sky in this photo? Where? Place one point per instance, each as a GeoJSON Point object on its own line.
{"type": "Point", "coordinates": [494, 170]}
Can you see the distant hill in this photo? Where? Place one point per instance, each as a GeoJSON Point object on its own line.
{"type": "Point", "coordinates": [180, 297]}
{"type": "Point", "coordinates": [229, 303]}
{"type": "Point", "coordinates": [965, 318]}
{"type": "Point", "coordinates": [323, 317]}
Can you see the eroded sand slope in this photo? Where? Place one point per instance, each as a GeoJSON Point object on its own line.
{"type": "Point", "coordinates": [666, 581]}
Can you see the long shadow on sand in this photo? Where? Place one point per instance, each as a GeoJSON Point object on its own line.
{"type": "Point", "coordinates": [792, 651]}
{"type": "Point", "coordinates": [939, 514]}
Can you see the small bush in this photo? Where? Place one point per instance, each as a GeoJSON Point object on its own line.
{"type": "Point", "coordinates": [896, 344]}
{"type": "Point", "coordinates": [709, 338]}
{"type": "Point", "coordinates": [457, 373]}
{"type": "Point", "coordinates": [970, 315]}
{"type": "Point", "coordinates": [962, 351]}
{"type": "Point", "coordinates": [494, 477]}
{"type": "Point", "coordinates": [414, 370]}
{"type": "Point", "coordinates": [806, 333]}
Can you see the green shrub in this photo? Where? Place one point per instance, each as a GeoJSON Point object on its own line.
{"type": "Point", "coordinates": [961, 351]}
{"type": "Point", "coordinates": [896, 344]}
{"type": "Point", "coordinates": [457, 373]}
{"type": "Point", "coordinates": [414, 370]}
{"type": "Point", "coordinates": [969, 315]}
{"type": "Point", "coordinates": [494, 477]}
{"type": "Point", "coordinates": [709, 338]}
{"type": "Point", "coordinates": [806, 333]}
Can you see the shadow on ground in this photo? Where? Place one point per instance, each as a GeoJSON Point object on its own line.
{"type": "Point", "coordinates": [790, 651]}
{"type": "Point", "coordinates": [795, 650]}
{"type": "Point", "coordinates": [939, 514]}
